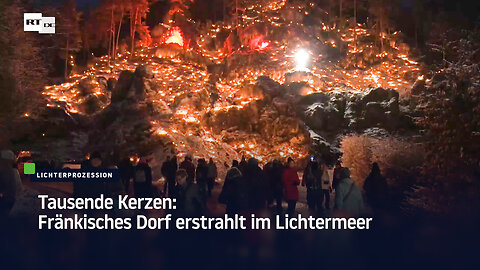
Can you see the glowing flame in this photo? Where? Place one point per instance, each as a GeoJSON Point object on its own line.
{"type": "Point", "coordinates": [175, 36]}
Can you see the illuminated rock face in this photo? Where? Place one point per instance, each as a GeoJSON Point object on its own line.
{"type": "Point", "coordinates": [298, 76]}
{"type": "Point", "coordinates": [329, 113]}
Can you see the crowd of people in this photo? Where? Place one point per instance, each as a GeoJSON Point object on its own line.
{"type": "Point", "coordinates": [248, 187]}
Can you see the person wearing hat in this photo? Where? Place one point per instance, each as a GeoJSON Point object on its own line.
{"type": "Point", "coordinates": [10, 183]}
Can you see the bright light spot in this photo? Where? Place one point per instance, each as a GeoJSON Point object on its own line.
{"type": "Point", "coordinates": [161, 132]}
{"type": "Point", "coordinates": [302, 58]}
{"type": "Point", "coordinates": [175, 36]}
{"type": "Point", "coordinates": [263, 45]}
{"type": "Point", "coordinates": [190, 119]}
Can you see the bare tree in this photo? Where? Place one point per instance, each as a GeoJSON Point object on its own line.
{"type": "Point", "coordinates": [137, 12]}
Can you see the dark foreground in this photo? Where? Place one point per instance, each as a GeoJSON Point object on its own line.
{"type": "Point", "coordinates": [395, 242]}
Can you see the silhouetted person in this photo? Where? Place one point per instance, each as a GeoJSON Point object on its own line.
{"type": "Point", "coordinates": [163, 170]}
{"type": "Point", "coordinates": [10, 182]}
{"type": "Point", "coordinates": [190, 202]}
{"type": "Point", "coordinates": [243, 165]}
{"type": "Point", "coordinates": [267, 171]}
{"type": "Point", "coordinates": [376, 188]}
{"type": "Point", "coordinates": [277, 183]}
{"type": "Point", "coordinates": [326, 186]}
{"type": "Point", "coordinates": [142, 181]}
{"type": "Point", "coordinates": [211, 176]}
{"type": "Point", "coordinates": [189, 167]}
{"type": "Point", "coordinates": [257, 185]}
{"type": "Point", "coordinates": [201, 175]}
{"type": "Point", "coordinates": [235, 163]}
{"type": "Point", "coordinates": [290, 182]}
{"type": "Point", "coordinates": [90, 188]}
{"type": "Point", "coordinates": [112, 188]}
{"type": "Point", "coordinates": [348, 196]}
{"type": "Point", "coordinates": [336, 174]}
{"type": "Point", "coordinates": [235, 192]}
{"type": "Point", "coordinates": [125, 168]}
{"type": "Point", "coordinates": [312, 177]}
{"type": "Point", "coordinates": [169, 171]}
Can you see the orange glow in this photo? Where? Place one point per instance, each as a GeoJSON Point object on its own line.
{"type": "Point", "coordinates": [175, 36]}
{"type": "Point", "coordinates": [180, 82]}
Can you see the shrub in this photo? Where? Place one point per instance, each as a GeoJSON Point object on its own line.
{"type": "Point", "coordinates": [399, 160]}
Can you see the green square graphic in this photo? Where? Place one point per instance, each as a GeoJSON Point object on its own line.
{"type": "Point", "coordinates": [29, 168]}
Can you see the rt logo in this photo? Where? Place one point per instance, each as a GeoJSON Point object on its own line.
{"type": "Point", "coordinates": [34, 22]}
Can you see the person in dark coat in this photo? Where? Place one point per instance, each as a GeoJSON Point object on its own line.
{"type": "Point", "coordinates": [201, 174]}
{"type": "Point", "coordinates": [235, 163]}
{"type": "Point", "coordinates": [189, 167]}
{"type": "Point", "coordinates": [211, 176]}
{"type": "Point", "coordinates": [290, 182]}
{"type": "Point", "coordinates": [257, 185]}
{"type": "Point", "coordinates": [85, 189]}
{"type": "Point", "coordinates": [169, 171]}
{"type": "Point", "coordinates": [163, 170]}
{"type": "Point", "coordinates": [312, 180]}
{"type": "Point", "coordinates": [235, 192]}
{"type": "Point", "coordinates": [190, 202]}
{"type": "Point", "coordinates": [112, 188]}
{"type": "Point", "coordinates": [336, 175]}
{"type": "Point", "coordinates": [243, 165]}
{"type": "Point", "coordinates": [277, 184]}
{"type": "Point", "coordinates": [326, 184]}
{"type": "Point", "coordinates": [376, 188]}
{"type": "Point", "coordinates": [126, 172]}
{"type": "Point", "coordinates": [143, 179]}
{"type": "Point", "coordinates": [267, 171]}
